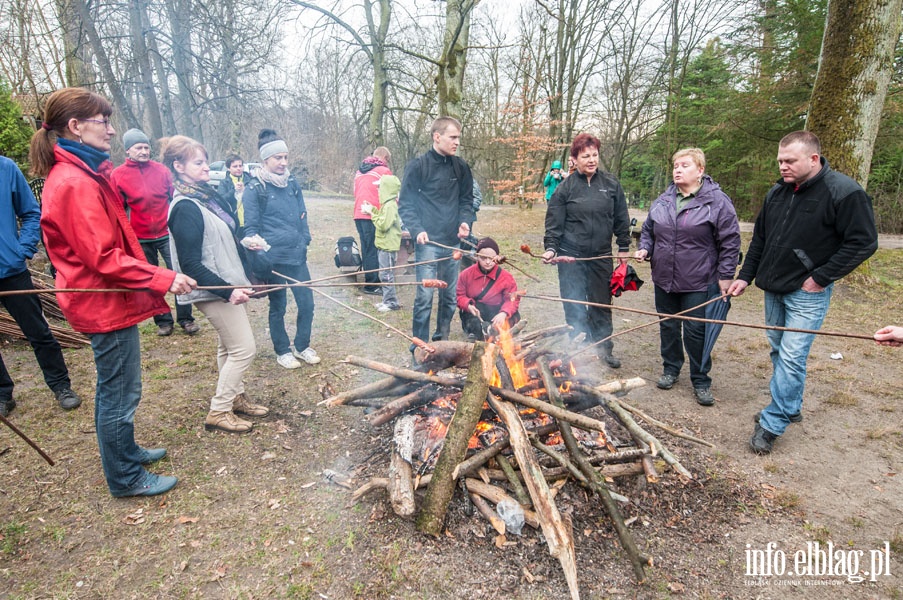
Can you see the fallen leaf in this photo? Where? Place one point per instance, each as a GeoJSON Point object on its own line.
{"type": "Point", "coordinates": [268, 456]}
{"type": "Point", "coordinates": [500, 541]}
{"type": "Point", "coordinates": [136, 518]}
{"type": "Point", "coordinates": [677, 588]}
{"type": "Point", "coordinates": [219, 573]}
{"type": "Point", "coordinates": [528, 575]}
{"type": "Point", "coordinates": [273, 504]}
{"type": "Point", "coordinates": [305, 413]}
{"type": "Point", "coordinates": [183, 520]}
{"type": "Point", "coordinates": [280, 427]}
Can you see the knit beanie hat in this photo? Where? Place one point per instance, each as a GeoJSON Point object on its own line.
{"type": "Point", "coordinates": [488, 242]}
{"type": "Point", "coordinates": [132, 137]}
{"type": "Point", "coordinates": [269, 143]}
{"type": "Point", "coordinates": [389, 186]}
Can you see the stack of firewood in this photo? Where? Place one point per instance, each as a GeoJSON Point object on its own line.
{"type": "Point", "coordinates": [527, 461]}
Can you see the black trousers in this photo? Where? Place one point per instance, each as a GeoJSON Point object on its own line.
{"type": "Point", "coordinates": [671, 303]}
{"type": "Point", "coordinates": [151, 250]}
{"type": "Point", "coordinates": [369, 254]}
{"type": "Point", "coordinates": [588, 281]}
{"type": "Point", "coordinates": [28, 314]}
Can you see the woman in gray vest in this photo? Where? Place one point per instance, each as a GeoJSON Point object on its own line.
{"type": "Point", "coordinates": [203, 243]}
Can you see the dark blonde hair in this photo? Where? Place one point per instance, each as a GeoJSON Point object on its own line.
{"type": "Point", "coordinates": [695, 154]}
{"type": "Point", "coordinates": [442, 123]}
{"type": "Point", "coordinates": [179, 148]}
{"type": "Point", "coordinates": [808, 140]}
{"type": "Point", "coordinates": [61, 106]}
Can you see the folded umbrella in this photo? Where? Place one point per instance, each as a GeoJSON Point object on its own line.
{"type": "Point", "coordinates": [624, 279]}
{"type": "Point", "coordinates": [716, 311]}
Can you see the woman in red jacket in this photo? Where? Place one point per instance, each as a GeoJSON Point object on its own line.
{"type": "Point", "coordinates": [91, 244]}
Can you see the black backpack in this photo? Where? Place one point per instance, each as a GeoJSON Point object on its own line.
{"type": "Point", "coordinates": [347, 253]}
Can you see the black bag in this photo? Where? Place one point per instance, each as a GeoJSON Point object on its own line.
{"type": "Point", "coordinates": [347, 253]}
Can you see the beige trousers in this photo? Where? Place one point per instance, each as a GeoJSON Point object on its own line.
{"type": "Point", "coordinates": [235, 352]}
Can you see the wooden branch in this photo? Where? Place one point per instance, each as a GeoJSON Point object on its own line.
{"type": "Point", "coordinates": [446, 354]}
{"type": "Point", "coordinates": [490, 515]}
{"type": "Point", "coordinates": [513, 480]}
{"type": "Point", "coordinates": [555, 529]}
{"type": "Point", "coordinates": [394, 408]}
{"type": "Point", "coordinates": [370, 390]}
{"type": "Point", "coordinates": [460, 430]}
{"type": "Point", "coordinates": [547, 332]}
{"type": "Point", "coordinates": [382, 483]}
{"type": "Point", "coordinates": [403, 373]}
{"type": "Point", "coordinates": [664, 427]}
{"type": "Point", "coordinates": [495, 495]}
{"type": "Point", "coordinates": [401, 482]}
{"type": "Point", "coordinates": [581, 421]}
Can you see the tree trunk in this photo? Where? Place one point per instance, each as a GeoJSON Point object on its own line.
{"type": "Point", "coordinates": [855, 68]}
{"type": "Point", "coordinates": [450, 79]}
{"type": "Point", "coordinates": [137, 22]}
{"type": "Point", "coordinates": [77, 53]}
{"type": "Point", "coordinates": [178, 12]}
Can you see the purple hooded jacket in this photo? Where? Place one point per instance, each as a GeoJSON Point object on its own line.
{"type": "Point", "coordinates": [695, 248]}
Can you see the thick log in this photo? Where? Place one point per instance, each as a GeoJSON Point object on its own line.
{"type": "Point", "coordinates": [402, 373]}
{"type": "Point", "coordinates": [495, 495]}
{"type": "Point", "coordinates": [460, 430]}
{"type": "Point", "coordinates": [447, 354]}
{"type": "Point", "coordinates": [555, 529]}
{"type": "Point", "coordinates": [370, 390]}
{"type": "Point", "coordinates": [401, 480]}
{"type": "Point", "coordinates": [490, 515]}
{"type": "Point", "coordinates": [394, 408]}
{"type": "Point", "coordinates": [548, 331]}
{"type": "Point", "coordinates": [382, 483]}
{"type": "Point", "coordinates": [596, 481]}
{"type": "Point", "coordinates": [621, 386]}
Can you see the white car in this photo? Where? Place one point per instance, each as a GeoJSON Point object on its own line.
{"type": "Point", "coordinates": [218, 171]}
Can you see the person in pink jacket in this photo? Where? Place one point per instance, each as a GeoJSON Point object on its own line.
{"type": "Point", "coordinates": [366, 191]}
{"type": "Point", "coordinates": [91, 244]}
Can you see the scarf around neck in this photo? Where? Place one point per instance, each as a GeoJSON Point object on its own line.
{"type": "Point", "coordinates": [206, 195]}
{"type": "Point", "coordinates": [91, 156]}
{"type": "Point", "coordinates": [279, 181]}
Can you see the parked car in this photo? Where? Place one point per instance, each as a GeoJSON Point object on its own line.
{"type": "Point", "coordinates": [218, 171]}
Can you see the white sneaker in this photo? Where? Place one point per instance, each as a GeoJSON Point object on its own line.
{"type": "Point", "coordinates": [308, 355]}
{"type": "Point", "coordinates": [380, 306]}
{"type": "Point", "coordinates": [288, 361]}
{"type": "Point", "coordinates": [383, 308]}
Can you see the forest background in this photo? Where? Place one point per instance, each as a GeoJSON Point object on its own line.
{"type": "Point", "coordinates": [338, 78]}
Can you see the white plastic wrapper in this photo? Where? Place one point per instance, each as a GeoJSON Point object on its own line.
{"type": "Point", "coordinates": [255, 240]}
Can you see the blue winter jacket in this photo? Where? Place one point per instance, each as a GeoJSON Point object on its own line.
{"type": "Point", "coordinates": [696, 247]}
{"type": "Point", "coordinates": [16, 200]}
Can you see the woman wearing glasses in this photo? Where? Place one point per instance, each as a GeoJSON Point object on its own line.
{"type": "Point", "coordinates": [487, 294]}
{"type": "Point", "coordinates": [91, 244]}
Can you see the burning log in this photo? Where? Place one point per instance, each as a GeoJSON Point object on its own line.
{"type": "Point", "coordinates": [562, 414]}
{"type": "Point", "coordinates": [460, 430]}
{"type": "Point", "coordinates": [446, 354]}
{"type": "Point", "coordinates": [401, 480]}
{"type": "Point", "coordinates": [403, 373]}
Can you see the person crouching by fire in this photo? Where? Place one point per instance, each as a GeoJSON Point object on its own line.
{"type": "Point", "coordinates": [486, 294]}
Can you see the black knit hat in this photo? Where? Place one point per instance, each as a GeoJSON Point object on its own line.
{"type": "Point", "coordinates": [488, 242]}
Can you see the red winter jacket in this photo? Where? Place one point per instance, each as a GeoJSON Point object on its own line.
{"type": "Point", "coordinates": [147, 189]}
{"type": "Point", "coordinates": [366, 184]}
{"type": "Point", "coordinates": [503, 292]}
{"type": "Point", "coordinates": [91, 244]}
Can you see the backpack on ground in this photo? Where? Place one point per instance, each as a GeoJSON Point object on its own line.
{"type": "Point", "coordinates": [347, 254]}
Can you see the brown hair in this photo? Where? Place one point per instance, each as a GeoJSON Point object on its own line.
{"type": "Point", "coordinates": [582, 142]}
{"type": "Point", "coordinates": [179, 148]}
{"type": "Point", "coordinates": [231, 159]}
{"type": "Point", "coordinates": [696, 154]}
{"type": "Point", "coordinates": [63, 105]}
{"type": "Point", "coordinates": [808, 139]}
{"type": "Point", "coordinates": [442, 123]}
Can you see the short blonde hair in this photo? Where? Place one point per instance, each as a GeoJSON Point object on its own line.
{"type": "Point", "coordinates": [696, 154]}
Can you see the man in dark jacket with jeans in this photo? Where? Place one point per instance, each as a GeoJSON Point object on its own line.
{"type": "Point", "coordinates": [816, 226]}
{"type": "Point", "coordinates": [436, 204]}
{"type": "Point", "coordinates": [17, 244]}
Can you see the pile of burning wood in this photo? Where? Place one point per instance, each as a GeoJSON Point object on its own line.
{"type": "Point", "coordinates": [508, 434]}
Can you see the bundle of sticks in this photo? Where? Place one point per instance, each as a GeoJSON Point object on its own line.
{"type": "Point", "coordinates": [522, 465]}
{"type": "Point", "coordinates": [64, 335]}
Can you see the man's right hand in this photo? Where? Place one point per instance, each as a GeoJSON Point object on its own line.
{"type": "Point", "coordinates": [547, 256]}
{"type": "Point", "coordinates": [423, 238]}
{"type": "Point", "coordinates": [737, 288]}
{"type": "Point", "coordinates": [182, 284]}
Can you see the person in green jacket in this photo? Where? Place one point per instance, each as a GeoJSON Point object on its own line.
{"type": "Point", "coordinates": [553, 178]}
{"type": "Point", "coordinates": [388, 238]}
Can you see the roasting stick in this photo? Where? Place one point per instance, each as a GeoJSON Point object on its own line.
{"type": "Point", "coordinates": [416, 341]}
{"type": "Point", "coordinates": [28, 441]}
{"type": "Point", "coordinates": [632, 329]}
{"type": "Point", "coordinates": [681, 317]}
{"type": "Point", "coordinates": [563, 259]}
{"type": "Point", "coordinates": [498, 258]}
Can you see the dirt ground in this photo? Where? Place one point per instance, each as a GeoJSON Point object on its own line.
{"type": "Point", "coordinates": [255, 516]}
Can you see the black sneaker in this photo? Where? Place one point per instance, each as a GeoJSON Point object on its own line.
{"type": "Point", "coordinates": [797, 418]}
{"type": "Point", "coordinates": [67, 398]}
{"type": "Point", "coordinates": [6, 406]}
{"type": "Point", "coordinates": [611, 361]}
{"type": "Point", "coordinates": [762, 440]}
{"type": "Point", "coordinates": [704, 396]}
{"type": "Point", "coordinates": [373, 291]}
{"type": "Point", "coordinates": [666, 381]}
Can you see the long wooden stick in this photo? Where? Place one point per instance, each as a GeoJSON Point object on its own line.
{"type": "Point", "coordinates": [408, 374]}
{"type": "Point", "coordinates": [699, 319]}
{"type": "Point", "coordinates": [663, 426]}
{"type": "Point", "coordinates": [28, 441]}
{"type": "Point", "coordinates": [498, 261]}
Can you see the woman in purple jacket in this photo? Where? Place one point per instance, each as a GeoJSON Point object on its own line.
{"type": "Point", "coordinates": [693, 239]}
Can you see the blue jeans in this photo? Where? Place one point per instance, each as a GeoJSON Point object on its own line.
{"type": "Point", "coordinates": [789, 351]}
{"type": "Point", "coordinates": [117, 356]}
{"type": "Point", "coordinates": [304, 299]}
{"type": "Point", "coordinates": [447, 271]}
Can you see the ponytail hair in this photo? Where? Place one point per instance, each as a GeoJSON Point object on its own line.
{"type": "Point", "coordinates": [179, 148]}
{"type": "Point", "coordinates": [63, 105]}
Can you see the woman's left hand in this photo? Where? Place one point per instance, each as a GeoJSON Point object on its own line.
{"type": "Point", "coordinates": [724, 285]}
{"type": "Point", "coordinates": [240, 296]}
{"type": "Point", "coordinates": [498, 321]}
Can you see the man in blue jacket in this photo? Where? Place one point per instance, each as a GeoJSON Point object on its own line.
{"type": "Point", "coordinates": [816, 226]}
{"type": "Point", "coordinates": [436, 205]}
{"type": "Point", "coordinates": [17, 244]}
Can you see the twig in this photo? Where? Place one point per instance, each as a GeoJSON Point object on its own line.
{"type": "Point", "coordinates": [18, 432]}
{"type": "Point", "coordinates": [663, 426]}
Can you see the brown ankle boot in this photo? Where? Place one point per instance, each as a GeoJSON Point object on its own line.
{"type": "Point", "coordinates": [242, 406]}
{"type": "Point", "coordinates": [225, 420]}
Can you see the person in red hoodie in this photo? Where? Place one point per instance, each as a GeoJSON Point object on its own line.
{"type": "Point", "coordinates": [366, 189]}
{"type": "Point", "coordinates": [92, 246]}
{"type": "Point", "coordinates": [146, 188]}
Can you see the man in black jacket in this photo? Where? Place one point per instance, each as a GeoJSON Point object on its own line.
{"type": "Point", "coordinates": [436, 204]}
{"type": "Point", "coordinates": [816, 226]}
